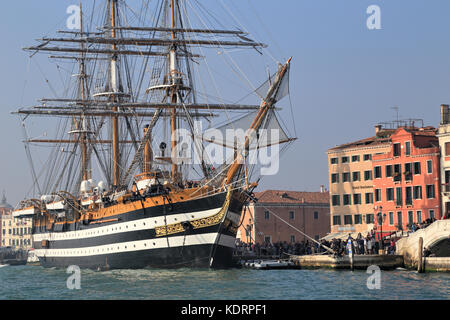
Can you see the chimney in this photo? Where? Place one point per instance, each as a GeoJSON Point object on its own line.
{"type": "Point", "coordinates": [444, 113]}
{"type": "Point", "coordinates": [378, 128]}
{"type": "Point", "coordinates": [322, 188]}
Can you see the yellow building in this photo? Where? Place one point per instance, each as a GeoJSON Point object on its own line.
{"type": "Point", "coordinates": [351, 183]}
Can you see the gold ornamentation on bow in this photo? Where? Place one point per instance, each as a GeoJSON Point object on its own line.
{"type": "Point", "coordinates": [196, 224]}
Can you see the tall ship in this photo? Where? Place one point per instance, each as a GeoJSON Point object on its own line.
{"type": "Point", "coordinates": [137, 167]}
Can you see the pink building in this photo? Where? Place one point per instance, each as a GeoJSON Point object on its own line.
{"type": "Point", "coordinates": [308, 212]}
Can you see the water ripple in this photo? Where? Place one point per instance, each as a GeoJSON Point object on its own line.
{"type": "Point", "coordinates": [34, 282]}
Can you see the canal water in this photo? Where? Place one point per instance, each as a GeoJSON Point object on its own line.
{"type": "Point", "coordinates": [37, 283]}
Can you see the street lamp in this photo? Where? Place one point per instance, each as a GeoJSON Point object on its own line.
{"type": "Point", "coordinates": [381, 218]}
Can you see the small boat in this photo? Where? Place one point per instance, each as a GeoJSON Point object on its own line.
{"type": "Point", "coordinates": [270, 264]}
{"type": "Point", "coordinates": [32, 258]}
{"type": "Point", "coordinates": [9, 256]}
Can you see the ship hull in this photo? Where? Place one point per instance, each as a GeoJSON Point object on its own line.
{"type": "Point", "coordinates": [199, 234]}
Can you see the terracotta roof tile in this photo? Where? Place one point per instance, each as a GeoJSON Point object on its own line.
{"type": "Point", "coordinates": [285, 196]}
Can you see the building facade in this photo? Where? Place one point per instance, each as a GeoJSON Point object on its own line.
{"type": "Point", "coordinates": [15, 233]}
{"type": "Point", "coordinates": [406, 179]}
{"type": "Point", "coordinates": [444, 144]}
{"type": "Point", "coordinates": [5, 212]}
{"type": "Point", "coordinates": [277, 215]}
{"type": "Point", "coordinates": [351, 183]}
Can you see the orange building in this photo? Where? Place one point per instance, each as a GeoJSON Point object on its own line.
{"type": "Point", "coordinates": [308, 212]}
{"type": "Point", "coordinates": [406, 179]}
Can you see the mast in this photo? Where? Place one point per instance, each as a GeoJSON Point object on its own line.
{"type": "Point", "coordinates": [84, 157]}
{"type": "Point", "coordinates": [266, 105]}
{"type": "Point", "coordinates": [115, 119]}
{"type": "Point", "coordinates": [173, 76]}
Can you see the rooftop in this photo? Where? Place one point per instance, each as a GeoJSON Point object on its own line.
{"type": "Point", "coordinates": [292, 197]}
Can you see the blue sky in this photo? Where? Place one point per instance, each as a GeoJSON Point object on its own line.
{"type": "Point", "coordinates": [345, 78]}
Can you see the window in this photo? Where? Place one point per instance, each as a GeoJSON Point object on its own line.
{"type": "Point", "coordinates": [336, 220]}
{"type": "Point", "coordinates": [390, 194]}
{"type": "Point", "coordinates": [334, 178]}
{"type": "Point", "coordinates": [397, 149]}
{"type": "Point", "coordinates": [370, 218]}
{"type": "Point", "coordinates": [292, 239]}
{"type": "Point", "coordinates": [346, 177]}
{"type": "Point", "coordinates": [316, 215]}
{"type": "Point", "coordinates": [431, 212]}
{"type": "Point", "coordinates": [397, 172]}
{"type": "Point", "coordinates": [268, 239]}
{"type": "Point", "coordinates": [347, 200]}
{"type": "Point", "coordinates": [344, 159]}
{"type": "Point", "coordinates": [408, 171]}
{"type": "Point", "coordinates": [447, 148]}
{"type": "Point", "coordinates": [291, 215]}
{"type": "Point", "coordinates": [377, 195]}
{"type": "Point", "coordinates": [408, 196]}
{"type": "Point", "coordinates": [417, 168]}
{"type": "Point", "coordinates": [410, 217]}
{"type": "Point", "coordinates": [367, 157]}
{"type": "Point", "coordinates": [388, 171]}
{"type": "Point", "coordinates": [358, 219]}
{"type": "Point", "coordinates": [417, 192]}
{"type": "Point", "coordinates": [266, 215]}
{"type": "Point", "coordinates": [369, 198]}
{"type": "Point", "coordinates": [430, 166]}
{"type": "Point", "coordinates": [399, 219]}
{"type": "Point", "coordinates": [334, 160]}
{"type": "Point", "coordinates": [407, 148]}
{"type": "Point", "coordinates": [391, 218]}
{"type": "Point", "coordinates": [356, 176]}
{"type": "Point", "coordinates": [335, 200]}
{"type": "Point", "coordinates": [377, 172]}
{"type": "Point", "coordinates": [355, 158]}
{"type": "Point", "coordinates": [368, 175]}
{"type": "Point", "coordinates": [419, 216]}
{"type": "Point", "coordinates": [348, 219]}
{"type": "Point", "coordinates": [399, 201]}
{"type": "Point", "coordinates": [430, 191]}
{"type": "Point", "coordinates": [357, 198]}
{"type": "Point", "coordinates": [447, 180]}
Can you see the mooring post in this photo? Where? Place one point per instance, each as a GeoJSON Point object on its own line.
{"type": "Point", "coordinates": [420, 256]}
{"type": "Point", "coordinates": [350, 253]}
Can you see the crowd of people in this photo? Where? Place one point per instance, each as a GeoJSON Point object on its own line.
{"type": "Point", "coordinates": [417, 226]}
{"type": "Point", "coordinates": [277, 249]}
{"type": "Point", "coordinates": [359, 245]}
{"type": "Point", "coordinates": [362, 245]}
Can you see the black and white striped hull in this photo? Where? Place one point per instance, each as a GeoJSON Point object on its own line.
{"type": "Point", "coordinates": [145, 238]}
